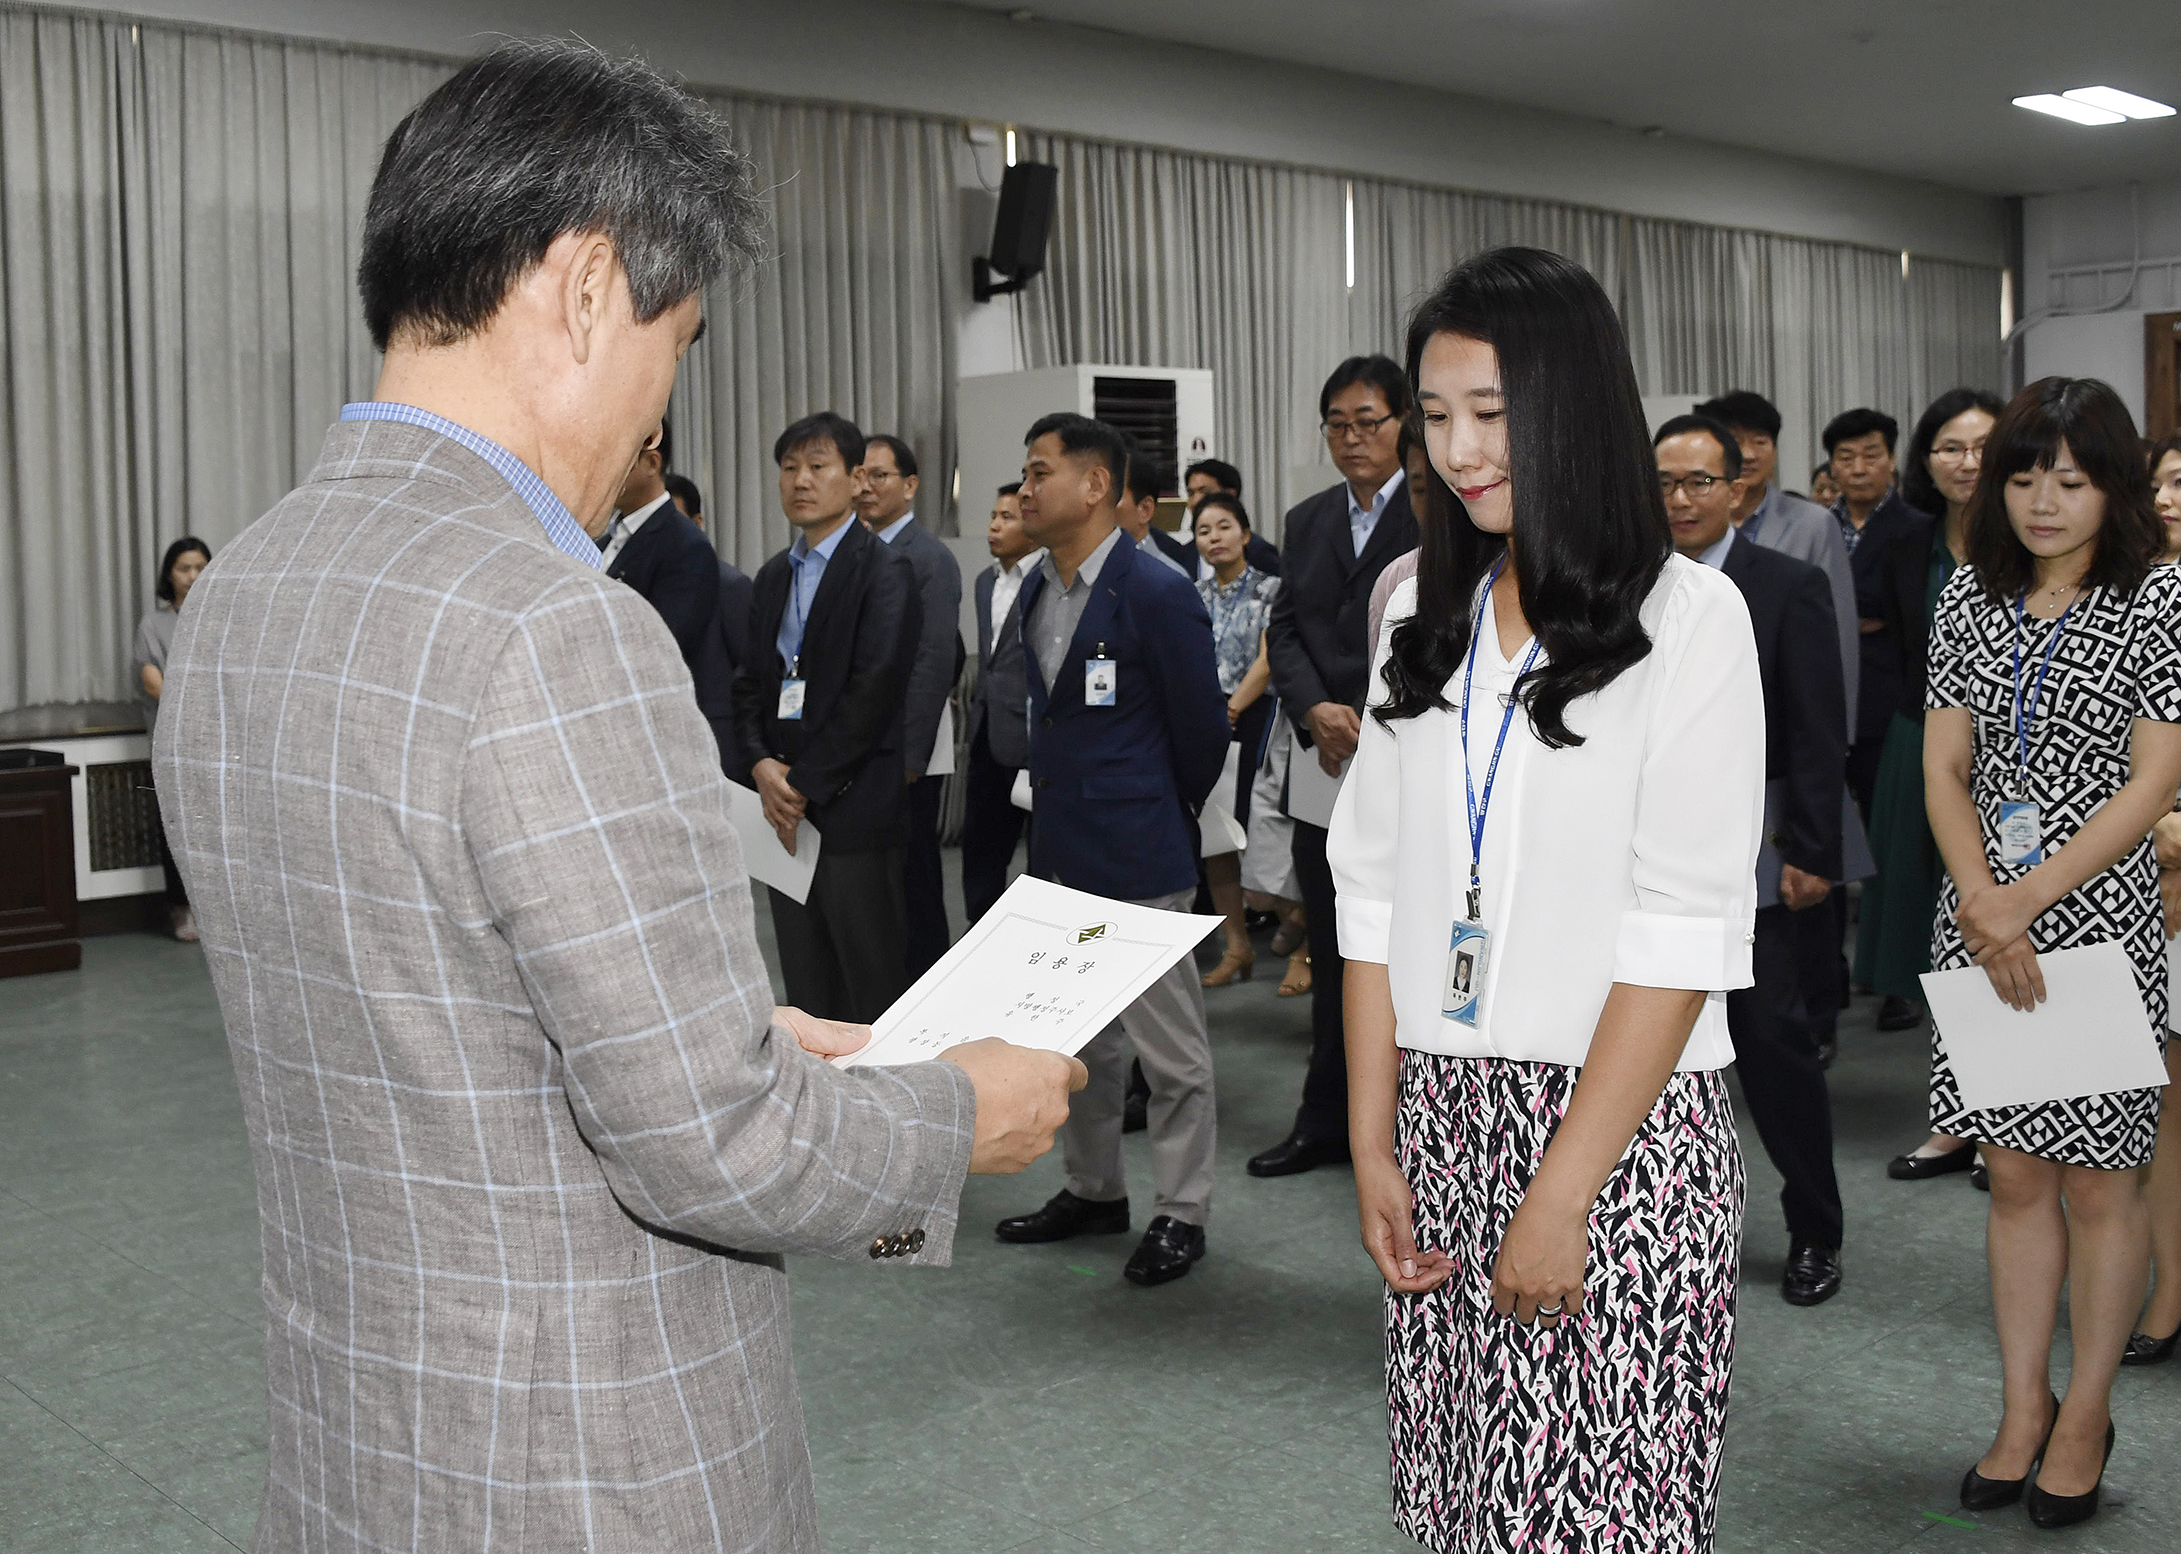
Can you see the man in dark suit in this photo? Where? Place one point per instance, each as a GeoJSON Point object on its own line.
{"type": "Point", "coordinates": [1117, 771]}
{"type": "Point", "coordinates": [654, 548]}
{"type": "Point", "coordinates": [1871, 514]}
{"type": "Point", "coordinates": [1798, 658]}
{"type": "Point", "coordinates": [818, 714]}
{"type": "Point", "coordinates": [886, 489]}
{"type": "Point", "coordinates": [1336, 544]}
{"type": "Point", "coordinates": [1207, 477]}
{"type": "Point", "coordinates": [999, 726]}
{"type": "Point", "coordinates": [734, 583]}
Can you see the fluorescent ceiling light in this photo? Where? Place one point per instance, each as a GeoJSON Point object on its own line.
{"type": "Point", "coordinates": [2061, 108]}
{"type": "Point", "coordinates": [2113, 100]}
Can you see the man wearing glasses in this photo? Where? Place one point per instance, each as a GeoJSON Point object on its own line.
{"type": "Point", "coordinates": [1334, 545]}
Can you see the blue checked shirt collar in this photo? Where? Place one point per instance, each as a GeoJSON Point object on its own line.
{"type": "Point", "coordinates": [560, 525]}
{"type": "Point", "coordinates": [1361, 522]}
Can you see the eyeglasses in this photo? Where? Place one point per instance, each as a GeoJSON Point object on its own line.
{"type": "Point", "coordinates": [1697, 485]}
{"type": "Point", "coordinates": [1362, 427]}
{"type": "Point", "coordinates": [1955, 452]}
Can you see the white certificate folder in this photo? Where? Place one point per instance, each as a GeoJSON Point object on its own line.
{"type": "Point", "coordinates": [768, 862]}
{"type": "Point", "coordinates": [1046, 967]}
{"type": "Point", "coordinates": [2090, 1036]}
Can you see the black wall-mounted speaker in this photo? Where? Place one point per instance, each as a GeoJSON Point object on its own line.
{"type": "Point", "coordinates": [1027, 194]}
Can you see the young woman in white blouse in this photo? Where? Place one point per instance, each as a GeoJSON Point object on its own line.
{"type": "Point", "coordinates": [1542, 906]}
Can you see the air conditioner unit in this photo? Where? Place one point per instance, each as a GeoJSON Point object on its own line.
{"type": "Point", "coordinates": [1168, 409]}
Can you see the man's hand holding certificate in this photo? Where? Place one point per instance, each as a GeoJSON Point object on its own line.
{"type": "Point", "coordinates": [1047, 967]}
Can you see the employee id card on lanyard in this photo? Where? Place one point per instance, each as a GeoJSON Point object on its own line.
{"type": "Point", "coordinates": [1468, 954]}
{"type": "Point", "coordinates": [2021, 822]}
{"type": "Point", "coordinates": [791, 692]}
{"type": "Point", "coordinates": [1101, 679]}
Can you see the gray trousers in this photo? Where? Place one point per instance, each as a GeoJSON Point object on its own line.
{"type": "Point", "coordinates": [1167, 1027]}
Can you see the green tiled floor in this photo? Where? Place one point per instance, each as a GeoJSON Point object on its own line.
{"type": "Point", "coordinates": [1025, 1400]}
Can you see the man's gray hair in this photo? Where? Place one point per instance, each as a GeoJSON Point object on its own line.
{"type": "Point", "coordinates": [533, 140]}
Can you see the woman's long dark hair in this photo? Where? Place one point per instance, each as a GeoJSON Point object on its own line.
{"type": "Point", "coordinates": [1918, 489]}
{"type": "Point", "coordinates": [2086, 415]}
{"type": "Point", "coordinates": [1590, 527]}
{"type": "Point", "coordinates": [164, 588]}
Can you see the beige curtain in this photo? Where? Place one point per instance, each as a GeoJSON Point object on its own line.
{"type": "Point", "coordinates": [858, 310]}
{"type": "Point", "coordinates": [179, 217]}
{"type": "Point", "coordinates": [178, 214]}
{"type": "Point", "coordinates": [1167, 259]}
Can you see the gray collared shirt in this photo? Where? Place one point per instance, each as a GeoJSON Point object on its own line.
{"type": "Point", "coordinates": [1059, 608]}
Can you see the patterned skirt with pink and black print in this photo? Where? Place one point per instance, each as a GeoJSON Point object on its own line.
{"type": "Point", "coordinates": [1603, 1436]}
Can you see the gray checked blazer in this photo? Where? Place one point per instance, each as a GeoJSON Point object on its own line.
{"type": "Point", "coordinates": [528, 1146]}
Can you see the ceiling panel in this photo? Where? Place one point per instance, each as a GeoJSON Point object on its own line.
{"type": "Point", "coordinates": [1921, 88]}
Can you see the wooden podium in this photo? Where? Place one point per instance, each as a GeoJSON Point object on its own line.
{"type": "Point", "coordinates": [37, 871]}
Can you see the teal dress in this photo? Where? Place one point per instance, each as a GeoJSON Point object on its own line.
{"type": "Point", "coordinates": [1893, 936]}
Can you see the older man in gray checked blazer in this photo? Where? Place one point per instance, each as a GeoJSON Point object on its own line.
{"type": "Point", "coordinates": [530, 1138]}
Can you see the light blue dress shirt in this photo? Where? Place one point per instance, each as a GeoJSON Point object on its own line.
{"type": "Point", "coordinates": [893, 530]}
{"type": "Point", "coordinates": [560, 525]}
{"type": "Point", "coordinates": [806, 570]}
{"type": "Point", "coordinates": [1715, 556]}
{"type": "Point", "coordinates": [1361, 521]}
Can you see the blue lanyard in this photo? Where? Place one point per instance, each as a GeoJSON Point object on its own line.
{"type": "Point", "coordinates": [1477, 811]}
{"type": "Point", "coordinates": [2022, 714]}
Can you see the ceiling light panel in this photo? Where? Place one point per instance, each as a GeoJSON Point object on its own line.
{"type": "Point", "coordinates": [2074, 112]}
{"type": "Point", "coordinates": [2113, 100]}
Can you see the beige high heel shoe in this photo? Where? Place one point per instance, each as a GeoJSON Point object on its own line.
{"type": "Point", "coordinates": [1231, 968]}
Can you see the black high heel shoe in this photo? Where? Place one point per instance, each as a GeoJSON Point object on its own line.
{"type": "Point", "coordinates": [2050, 1510]}
{"type": "Point", "coordinates": [1979, 1493]}
{"type": "Point", "coordinates": [2143, 1349]}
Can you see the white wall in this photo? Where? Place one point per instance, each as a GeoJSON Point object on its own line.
{"type": "Point", "coordinates": [957, 62]}
{"type": "Point", "coordinates": [2078, 252]}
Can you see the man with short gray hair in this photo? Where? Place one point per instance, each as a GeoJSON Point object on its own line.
{"type": "Point", "coordinates": [530, 1137]}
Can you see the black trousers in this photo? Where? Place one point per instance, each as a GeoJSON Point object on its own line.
{"type": "Point", "coordinates": [841, 951]}
{"type": "Point", "coordinates": [924, 885]}
{"type": "Point", "coordinates": [1776, 1056]}
{"type": "Point", "coordinates": [991, 829]}
{"type": "Point", "coordinates": [1324, 1112]}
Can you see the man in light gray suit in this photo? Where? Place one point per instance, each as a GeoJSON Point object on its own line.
{"type": "Point", "coordinates": [530, 1137]}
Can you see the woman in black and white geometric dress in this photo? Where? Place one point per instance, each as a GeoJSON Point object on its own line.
{"type": "Point", "coordinates": [2051, 749]}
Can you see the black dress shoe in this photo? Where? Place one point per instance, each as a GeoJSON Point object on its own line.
{"type": "Point", "coordinates": [1295, 1154]}
{"type": "Point", "coordinates": [1165, 1253]}
{"type": "Point", "coordinates": [1979, 1493]}
{"type": "Point", "coordinates": [1899, 1014]}
{"type": "Point", "coordinates": [2143, 1349]}
{"type": "Point", "coordinates": [1980, 1177]}
{"type": "Point", "coordinates": [2049, 1510]}
{"type": "Point", "coordinates": [1066, 1215]}
{"type": "Point", "coordinates": [1921, 1168]}
{"type": "Point", "coordinates": [1136, 1113]}
{"type": "Point", "coordinates": [1813, 1274]}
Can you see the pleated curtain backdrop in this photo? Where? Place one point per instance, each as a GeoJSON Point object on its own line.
{"type": "Point", "coordinates": [857, 309]}
{"type": "Point", "coordinates": [1169, 259]}
{"type": "Point", "coordinates": [179, 215]}
{"type": "Point", "coordinates": [180, 210]}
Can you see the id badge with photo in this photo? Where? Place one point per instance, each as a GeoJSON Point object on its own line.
{"type": "Point", "coordinates": [1467, 959]}
{"type": "Point", "coordinates": [2021, 836]}
{"type": "Point", "coordinates": [791, 701]}
{"type": "Point", "coordinates": [1101, 679]}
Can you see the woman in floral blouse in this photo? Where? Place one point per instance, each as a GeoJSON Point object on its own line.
{"type": "Point", "coordinates": [1239, 598]}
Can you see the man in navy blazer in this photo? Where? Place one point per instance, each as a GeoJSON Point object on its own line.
{"type": "Point", "coordinates": [1775, 1030]}
{"type": "Point", "coordinates": [1128, 732]}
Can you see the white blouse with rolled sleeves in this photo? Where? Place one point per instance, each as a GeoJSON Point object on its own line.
{"type": "Point", "coordinates": [1631, 857]}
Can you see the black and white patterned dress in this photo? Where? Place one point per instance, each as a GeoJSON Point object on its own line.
{"type": "Point", "coordinates": [1602, 1435]}
{"type": "Point", "coordinates": [2119, 659]}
